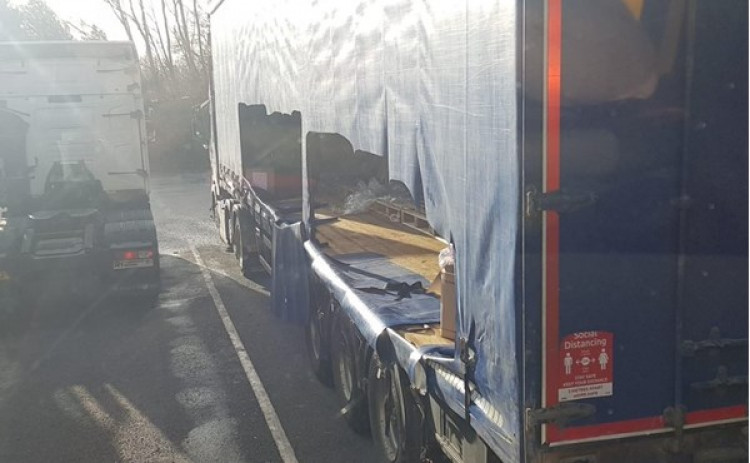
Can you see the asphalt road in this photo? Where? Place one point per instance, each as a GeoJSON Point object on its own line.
{"type": "Point", "coordinates": [122, 380]}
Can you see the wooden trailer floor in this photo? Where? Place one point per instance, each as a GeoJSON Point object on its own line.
{"type": "Point", "coordinates": [427, 335]}
{"type": "Point", "coordinates": [370, 232]}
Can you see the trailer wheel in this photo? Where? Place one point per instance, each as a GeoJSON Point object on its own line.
{"type": "Point", "coordinates": [395, 419]}
{"type": "Point", "coordinates": [352, 399]}
{"type": "Point", "coordinates": [318, 350]}
{"type": "Point", "coordinates": [238, 244]}
{"type": "Point", "coordinates": [248, 261]}
{"type": "Point", "coordinates": [215, 211]}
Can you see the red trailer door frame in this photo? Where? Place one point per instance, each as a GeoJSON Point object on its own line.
{"type": "Point", "coordinates": [553, 353]}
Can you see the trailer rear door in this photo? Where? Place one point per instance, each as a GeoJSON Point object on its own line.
{"type": "Point", "coordinates": [644, 215]}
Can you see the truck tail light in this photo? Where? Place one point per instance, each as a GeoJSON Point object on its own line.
{"type": "Point", "coordinates": [138, 254]}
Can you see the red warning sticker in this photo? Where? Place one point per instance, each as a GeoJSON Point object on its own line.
{"type": "Point", "coordinates": [586, 360]}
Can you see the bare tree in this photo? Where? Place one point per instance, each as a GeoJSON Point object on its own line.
{"type": "Point", "coordinates": [143, 30]}
{"type": "Point", "coordinates": [167, 35]}
{"type": "Point", "coordinates": [116, 7]}
{"type": "Point", "coordinates": [40, 22]}
{"type": "Point", "coordinates": [174, 45]}
{"type": "Point", "coordinates": [196, 18]}
{"type": "Point", "coordinates": [34, 20]}
{"type": "Point", "coordinates": [88, 31]}
{"type": "Point", "coordinates": [175, 56]}
{"type": "Point", "coordinates": [159, 43]}
{"type": "Point", "coordinates": [184, 35]}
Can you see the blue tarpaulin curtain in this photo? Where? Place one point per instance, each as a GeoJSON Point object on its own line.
{"type": "Point", "coordinates": [429, 84]}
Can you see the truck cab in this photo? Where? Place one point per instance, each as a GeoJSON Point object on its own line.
{"type": "Point", "coordinates": [75, 179]}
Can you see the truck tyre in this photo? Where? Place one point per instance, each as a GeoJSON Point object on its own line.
{"type": "Point", "coordinates": [351, 398]}
{"type": "Point", "coordinates": [215, 211]}
{"type": "Point", "coordinates": [222, 219]}
{"type": "Point", "coordinates": [238, 245]}
{"type": "Point", "coordinates": [318, 347]}
{"type": "Point", "coordinates": [395, 419]}
{"type": "Point", "coordinates": [248, 261]}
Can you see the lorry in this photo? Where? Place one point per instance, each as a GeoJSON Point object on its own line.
{"type": "Point", "coordinates": [74, 173]}
{"type": "Point", "coordinates": [515, 230]}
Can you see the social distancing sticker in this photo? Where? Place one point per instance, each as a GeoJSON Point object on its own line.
{"type": "Point", "coordinates": [586, 361]}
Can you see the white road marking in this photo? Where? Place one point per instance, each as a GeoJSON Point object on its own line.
{"type": "Point", "coordinates": [269, 413]}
